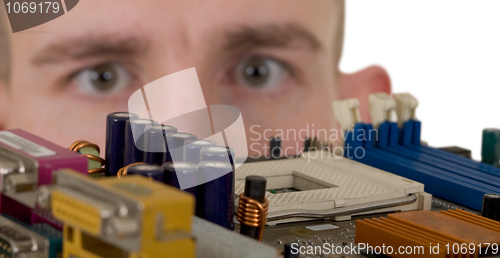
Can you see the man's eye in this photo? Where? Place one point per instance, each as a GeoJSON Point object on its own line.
{"type": "Point", "coordinates": [102, 79]}
{"type": "Point", "coordinates": [260, 73]}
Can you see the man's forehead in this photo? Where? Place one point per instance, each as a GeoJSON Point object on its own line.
{"type": "Point", "coordinates": [151, 17]}
{"type": "Point", "coordinates": [219, 23]}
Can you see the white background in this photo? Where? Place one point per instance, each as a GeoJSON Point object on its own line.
{"type": "Point", "coordinates": [446, 53]}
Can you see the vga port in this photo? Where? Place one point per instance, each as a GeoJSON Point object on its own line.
{"type": "Point", "coordinates": [75, 212]}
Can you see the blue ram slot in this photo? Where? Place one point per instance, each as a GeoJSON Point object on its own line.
{"type": "Point", "coordinates": [438, 182]}
{"type": "Point", "coordinates": [413, 128]}
{"type": "Point", "coordinates": [449, 166]}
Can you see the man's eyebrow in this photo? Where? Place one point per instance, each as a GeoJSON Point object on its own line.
{"type": "Point", "coordinates": [270, 36]}
{"type": "Point", "coordinates": [91, 46]}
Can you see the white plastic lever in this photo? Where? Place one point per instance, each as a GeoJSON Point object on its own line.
{"type": "Point", "coordinates": [406, 106]}
{"type": "Point", "coordinates": [381, 106]}
{"type": "Point", "coordinates": [347, 112]}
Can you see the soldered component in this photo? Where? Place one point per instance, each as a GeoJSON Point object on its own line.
{"type": "Point", "coordinates": [437, 232]}
{"type": "Point", "coordinates": [397, 148]}
{"type": "Point", "coordinates": [491, 206]}
{"type": "Point", "coordinates": [187, 171]}
{"type": "Point", "coordinates": [153, 172]}
{"type": "Point", "coordinates": [320, 185]}
{"type": "Point", "coordinates": [18, 240]}
{"type": "Point", "coordinates": [458, 151]}
{"type": "Point", "coordinates": [91, 151]}
{"type": "Point", "coordinates": [176, 144]}
{"type": "Point", "coordinates": [252, 207]}
{"type": "Point", "coordinates": [115, 140]}
{"type": "Point", "coordinates": [134, 148]}
{"type": "Point", "coordinates": [154, 145]}
{"type": "Point", "coordinates": [168, 129]}
{"type": "Point", "coordinates": [192, 150]}
{"type": "Point", "coordinates": [123, 217]}
{"type": "Point", "coordinates": [490, 147]}
{"type": "Point", "coordinates": [215, 199]}
{"type": "Point", "coordinates": [27, 161]}
{"type": "Point", "coordinates": [288, 252]}
{"type": "Point", "coordinates": [218, 153]}
{"type": "Point", "coordinates": [275, 147]}
{"type": "Point", "coordinates": [214, 241]}
{"type": "Point", "coordinates": [123, 171]}
{"type": "Point", "coordinates": [314, 144]}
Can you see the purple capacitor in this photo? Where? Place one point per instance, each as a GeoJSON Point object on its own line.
{"type": "Point", "coordinates": [134, 149]}
{"type": "Point", "coordinates": [188, 172]}
{"type": "Point", "coordinates": [192, 150]}
{"type": "Point", "coordinates": [115, 140]}
{"type": "Point", "coordinates": [154, 145]}
{"type": "Point", "coordinates": [152, 171]}
{"type": "Point", "coordinates": [215, 199]}
{"type": "Point", "coordinates": [167, 129]}
{"type": "Point", "coordinates": [176, 143]}
{"type": "Point", "coordinates": [218, 153]}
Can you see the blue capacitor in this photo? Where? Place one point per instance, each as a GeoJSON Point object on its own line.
{"type": "Point", "coordinates": [218, 153]}
{"type": "Point", "coordinates": [192, 150]}
{"type": "Point", "coordinates": [176, 143]}
{"type": "Point", "coordinates": [115, 140]}
{"type": "Point", "coordinates": [134, 150]}
{"type": "Point", "coordinates": [154, 145]}
{"type": "Point", "coordinates": [215, 202]}
{"type": "Point", "coordinates": [153, 171]}
{"type": "Point", "coordinates": [187, 171]}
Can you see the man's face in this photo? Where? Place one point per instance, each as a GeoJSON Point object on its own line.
{"type": "Point", "coordinates": [275, 60]}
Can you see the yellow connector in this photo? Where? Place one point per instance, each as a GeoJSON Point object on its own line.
{"type": "Point", "coordinates": [76, 212]}
{"type": "Point", "coordinates": [129, 217]}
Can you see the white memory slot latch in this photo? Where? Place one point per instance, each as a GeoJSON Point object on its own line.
{"type": "Point", "coordinates": [347, 113]}
{"type": "Point", "coordinates": [406, 106]}
{"type": "Point", "coordinates": [381, 106]}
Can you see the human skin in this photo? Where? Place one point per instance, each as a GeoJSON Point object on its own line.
{"type": "Point", "coordinates": [45, 97]}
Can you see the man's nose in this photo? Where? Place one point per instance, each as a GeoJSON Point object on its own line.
{"type": "Point", "coordinates": [176, 99]}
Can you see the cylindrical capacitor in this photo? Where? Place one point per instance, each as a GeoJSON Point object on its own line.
{"type": "Point", "coordinates": [255, 188]}
{"type": "Point", "coordinates": [307, 144]}
{"type": "Point", "coordinates": [491, 206]}
{"type": "Point", "coordinates": [134, 150]}
{"type": "Point", "coordinates": [218, 153]}
{"type": "Point", "coordinates": [215, 202]}
{"type": "Point", "coordinates": [167, 129]}
{"type": "Point", "coordinates": [115, 140]}
{"type": "Point", "coordinates": [176, 143]}
{"type": "Point", "coordinates": [152, 171]}
{"type": "Point", "coordinates": [192, 150]}
{"type": "Point", "coordinates": [287, 253]}
{"type": "Point", "coordinates": [154, 145]}
{"type": "Point", "coordinates": [188, 172]}
{"type": "Point", "coordinates": [490, 148]}
{"type": "Point", "coordinates": [275, 148]}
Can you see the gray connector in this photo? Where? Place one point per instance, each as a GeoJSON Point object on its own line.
{"type": "Point", "coordinates": [215, 241]}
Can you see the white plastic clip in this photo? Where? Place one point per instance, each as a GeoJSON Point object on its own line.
{"type": "Point", "coordinates": [381, 107]}
{"type": "Point", "coordinates": [347, 112]}
{"type": "Point", "coordinates": [406, 105]}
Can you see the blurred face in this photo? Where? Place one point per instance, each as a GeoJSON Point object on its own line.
{"type": "Point", "coordinates": [274, 60]}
